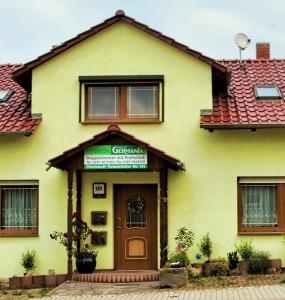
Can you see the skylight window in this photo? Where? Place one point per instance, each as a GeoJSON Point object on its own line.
{"type": "Point", "coordinates": [4, 95]}
{"type": "Point", "coordinates": [267, 92]}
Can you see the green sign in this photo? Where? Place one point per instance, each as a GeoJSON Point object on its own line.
{"type": "Point", "coordinates": [115, 157]}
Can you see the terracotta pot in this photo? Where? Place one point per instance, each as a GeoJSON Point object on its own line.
{"type": "Point", "coordinates": [244, 267]}
{"type": "Point", "coordinates": [207, 269]}
{"type": "Point", "coordinates": [277, 264]}
{"type": "Point", "coordinates": [50, 280]}
{"type": "Point", "coordinates": [60, 279]}
{"type": "Point", "coordinates": [15, 283]}
{"type": "Point", "coordinates": [27, 282]}
{"type": "Point", "coordinates": [38, 281]}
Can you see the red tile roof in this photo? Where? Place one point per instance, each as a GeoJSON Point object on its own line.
{"type": "Point", "coordinates": [15, 113]}
{"type": "Point", "coordinates": [241, 109]}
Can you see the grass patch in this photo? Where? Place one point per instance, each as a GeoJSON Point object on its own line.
{"type": "Point", "coordinates": [6, 294]}
{"type": "Point", "coordinates": [234, 281]}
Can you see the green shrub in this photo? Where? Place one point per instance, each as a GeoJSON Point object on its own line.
{"type": "Point", "coordinates": [220, 268]}
{"type": "Point", "coordinates": [206, 246]}
{"type": "Point", "coordinates": [180, 257]}
{"type": "Point", "coordinates": [259, 261]}
{"type": "Point", "coordinates": [245, 249]}
{"type": "Point", "coordinates": [184, 238]}
{"type": "Point", "coordinates": [28, 261]}
{"type": "Point", "coordinates": [233, 260]}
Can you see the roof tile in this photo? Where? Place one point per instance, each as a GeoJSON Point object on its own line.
{"type": "Point", "coordinates": [242, 106]}
{"type": "Point", "coordinates": [15, 114]}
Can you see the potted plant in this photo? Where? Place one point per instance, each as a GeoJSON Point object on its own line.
{"type": "Point", "coordinates": [233, 260]}
{"type": "Point", "coordinates": [184, 239]}
{"type": "Point", "coordinates": [85, 255]}
{"type": "Point", "coordinates": [85, 259]}
{"type": "Point", "coordinates": [206, 248]}
{"type": "Point", "coordinates": [245, 249]}
{"type": "Point", "coordinates": [28, 262]}
{"type": "Point", "coordinates": [175, 274]}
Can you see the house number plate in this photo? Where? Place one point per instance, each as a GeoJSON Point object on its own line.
{"type": "Point", "coordinates": [99, 190]}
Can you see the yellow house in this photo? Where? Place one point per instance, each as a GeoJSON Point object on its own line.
{"type": "Point", "coordinates": [126, 126]}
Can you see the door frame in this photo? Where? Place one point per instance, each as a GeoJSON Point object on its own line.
{"type": "Point", "coordinates": [156, 223]}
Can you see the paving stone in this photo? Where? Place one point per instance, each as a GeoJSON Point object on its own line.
{"type": "Point", "coordinates": [150, 291]}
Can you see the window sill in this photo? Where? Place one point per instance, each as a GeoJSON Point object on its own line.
{"type": "Point", "coordinates": [261, 232]}
{"type": "Point", "coordinates": [10, 233]}
{"type": "Point", "coordinates": [120, 122]}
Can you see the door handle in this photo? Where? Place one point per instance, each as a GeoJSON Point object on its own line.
{"type": "Point", "coordinates": [119, 223]}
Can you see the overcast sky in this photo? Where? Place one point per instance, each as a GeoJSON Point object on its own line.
{"type": "Point", "coordinates": [29, 28]}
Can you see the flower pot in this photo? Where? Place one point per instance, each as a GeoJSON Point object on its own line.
{"type": "Point", "coordinates": [50, 281]}
{"type": "Point", "coordinates": [27, 282]}
{"type": "Point", "coordinates": [86, 264]}
{"type": "Point", "coordinates": [60, 279]}
{"type": "Point", "coordinates": [207, 269]}
{"type": "Point", "coordinates": [15, 283]}
{"type": "Point", "coordinates": [244, 267]}
{"type": "Point", "coordinates": [277, 264]}
{"type": "Point", "coordinates": [38, 281]}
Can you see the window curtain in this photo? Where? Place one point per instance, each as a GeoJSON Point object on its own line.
{"type": "Point", "coordinates": [259, 205]}
{"type": "Point", "coordinates": [18, 208]}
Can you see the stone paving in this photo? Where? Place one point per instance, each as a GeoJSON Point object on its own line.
{"type": "Point", "coordinates": [151, 291]}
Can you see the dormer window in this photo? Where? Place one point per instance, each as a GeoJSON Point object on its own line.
{"type": "Point", "coordinates": [267, 92]}
{"type": "Point", "coordinates": [125, 99]}
{"type": "Point", "coordinates": [4, 95]}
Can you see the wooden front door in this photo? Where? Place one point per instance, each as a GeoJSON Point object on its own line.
{"type": "Point", "coordinates": [135, 211]}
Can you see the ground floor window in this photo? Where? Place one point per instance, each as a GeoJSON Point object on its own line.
{"type": "Point", "coordinates": [261, 203]}
{"type": "Point", "coordinates": [19, 208]}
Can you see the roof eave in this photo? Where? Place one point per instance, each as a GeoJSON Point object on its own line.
{"type": "Point", "coordinates": [23, 75]}
{"type": "Point", "coordinates": [25, 133]}
{"type": "Point", "coordinates": [113, 129]}
{"type": "Point", "coordinates": [239, 126]}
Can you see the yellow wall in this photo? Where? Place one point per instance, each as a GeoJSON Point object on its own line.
{"type": "Point", "coordinates": [204, 197]}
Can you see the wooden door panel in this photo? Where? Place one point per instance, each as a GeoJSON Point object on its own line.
{"type": "Point", "coordinates": [135, 212]}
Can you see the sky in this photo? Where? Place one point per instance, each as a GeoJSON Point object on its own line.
{"type": "Point", "coordinates": [29, 28]}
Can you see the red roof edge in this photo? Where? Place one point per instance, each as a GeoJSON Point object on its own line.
{"type": "Point", "coordinates": [23, 75]}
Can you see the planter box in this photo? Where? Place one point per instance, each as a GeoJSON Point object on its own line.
{"type": "Point", "coordinates": [27, 282]}
{"type": "Point", "coordinates": [277, 264]}
{"type": "Point", "coordinates": [15, 283]}
{"type": "Point", "coordinates": [50, 281]}
{"type": "Point", "coordinates": [244, 267]}
{"type": "Point", "coordinates": [173, 277]}
{"type": "Point", "coordinates": [207, 269]}
{"type": "Point", "coordinates": [60, 279]}
{"type": "Point", "coordinates": [38, 281]}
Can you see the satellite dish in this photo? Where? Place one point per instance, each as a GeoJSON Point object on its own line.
{"type": "Point", "coordinates": [242, 41]}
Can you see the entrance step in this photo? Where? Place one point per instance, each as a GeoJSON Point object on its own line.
{"type": "Point", "coordinates": [117, 276]}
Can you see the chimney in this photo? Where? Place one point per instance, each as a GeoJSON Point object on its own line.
{"type": "Point", "coordinates": [262, 51]}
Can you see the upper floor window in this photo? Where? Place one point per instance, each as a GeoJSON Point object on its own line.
{"type": "Point", "coordinates": [18, 208]}
{"type": "Point", "coordinates": [267, 92]}
{"type": "Point", "coordinates": [124, 101]}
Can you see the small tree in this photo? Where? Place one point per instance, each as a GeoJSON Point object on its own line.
{"type": "Point", "coordinates": [245, 249]}
{"type": "Point", "coordinates": [206, 246]}
{"type": "Point", "coordinates": [184, 239]}
{"type": "Point", "coordinates": [28, 261]}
